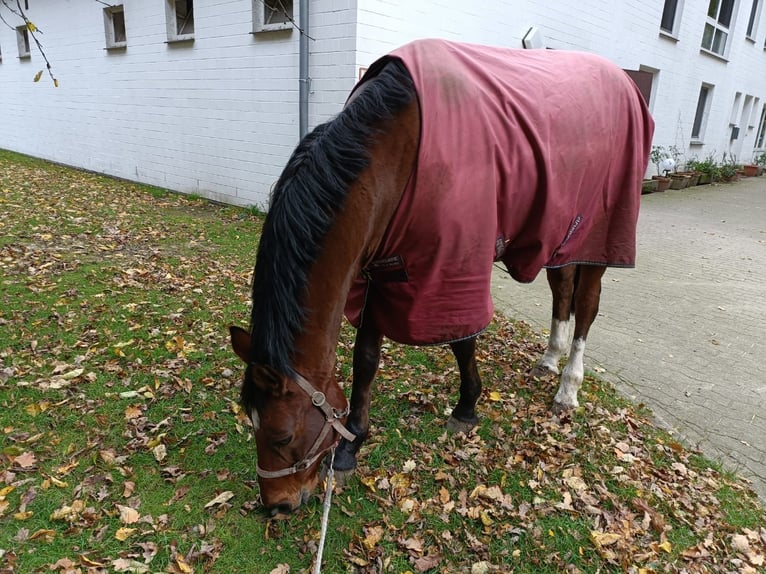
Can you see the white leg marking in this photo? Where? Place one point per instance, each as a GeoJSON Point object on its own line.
{"type": "Point", "coordinates": [557, 345]}
{"type": "Point", "coordinates": [255, 420]}
{"type": "Point", "coordinates": [571, 377]}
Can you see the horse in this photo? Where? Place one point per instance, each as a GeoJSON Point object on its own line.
{"type": "Point", "coordinates": [446, 158]}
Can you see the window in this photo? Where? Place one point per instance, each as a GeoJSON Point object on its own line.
{"type": "Point", "coordinates": [753, 20]}
{"type": "Point", "coordinates": [760, 141]}
{"type": "Point", "coordinates": [751, 122]}
{"type": "Point", "coordinates": [700, 116]}
{"type": "Point", "coordinates": [180, 19]}
{"type": "Point", "coordinates": [671, 16]}
{"type": "Point", "coordinates": [716, 34]}
{"type": "Point", "coordinates": [114, 26]}
{"type": "Point", "coordinates": [22, 39]}
{"type": "Point", "coordinates": [271, 15]}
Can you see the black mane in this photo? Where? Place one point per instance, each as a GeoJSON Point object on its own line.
{"type": "Point", "coordinates": [303, 206]}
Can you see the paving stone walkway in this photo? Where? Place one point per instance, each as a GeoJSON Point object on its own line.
{"type": "Point", "coordinates": [685, 332]}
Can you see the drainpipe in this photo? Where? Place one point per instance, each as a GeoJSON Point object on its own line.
{"type": "Point", "coordinates": [303, 69]}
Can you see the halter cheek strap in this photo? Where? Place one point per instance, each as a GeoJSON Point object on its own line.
{"type": "Point", "coordinates": [332, 421]}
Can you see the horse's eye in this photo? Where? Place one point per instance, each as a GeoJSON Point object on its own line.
{"type": "Point", "coordinates": [283, 442]}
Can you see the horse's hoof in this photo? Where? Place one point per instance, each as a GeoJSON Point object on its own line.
{"type": "Point", "coordinates": [540, 371]}
{"type": "Point", "coordinates": [455, 426]}
{"type": "Point", "coordinates": [342, 477]}
{"type": "Point", "coordinates": [560, 409]}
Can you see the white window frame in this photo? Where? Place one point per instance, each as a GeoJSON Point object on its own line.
{"type": "Point", "coordinates": [753, 18]}
{"type": "Point", "coordinates": [751, 122]}
{"type": "Point", "coordinates": [714, 30]}
{"type": "Point", "coordinates": [702, 114]}
{"type": "Point", "coordinates": [273, 15]}
{"type": "Point", "coordinates": [22, 41]}
{"type": "Point", "coordinates": [172, 17]}
{"type": "Point", "coordinates": [677, 7]}
{"type": "Point", "coordinates": [112, 42]}
{"type": "Point", "coordinates": [760, 138]}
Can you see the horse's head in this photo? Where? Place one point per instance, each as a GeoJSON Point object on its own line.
{"type": "Point", "coordinates": [295, 426]}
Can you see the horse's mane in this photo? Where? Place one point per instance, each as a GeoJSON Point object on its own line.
{"type": "Point", "coordinates": [307, 196]}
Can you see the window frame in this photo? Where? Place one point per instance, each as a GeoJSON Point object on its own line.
{"type": "Point", "coordinates": [753, 19]}
{"type": "Point", "coordinates": [677, 7]}
{"type": "Point", "coordinates": [110, 31]}
{"type": "Point", "coordinates": [262, 22]}
{"type": "Point", "coordinates": [760, 138]}
{"type": "Point", "coordinates": [172, 17]}
{"type": "Point", "coordinates": [714, 23]}
{"type": "Point", "coordinates": [701, 114]}
{"type": "Point", "coordinates": [23, 43]}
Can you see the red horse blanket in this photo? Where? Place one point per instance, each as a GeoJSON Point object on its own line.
{"type": "Point", "coordinates": [533, 158]}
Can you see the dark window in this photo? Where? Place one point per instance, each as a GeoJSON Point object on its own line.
{"type": "Point", "coordinates": [700, 113]}
{"type": "Point", "coordinates": [751, 20]}
{"type": "Point", "coordinates": [669, 15]}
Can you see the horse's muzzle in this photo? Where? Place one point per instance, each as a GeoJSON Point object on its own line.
{"type": "Point", "coordinates": [286, 508]}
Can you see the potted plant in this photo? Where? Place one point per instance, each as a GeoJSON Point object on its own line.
{"type": "Point", "coordinates": [758, 165]}
{"type": "Point", "coordinates": [727, 169]}
{"type": "Point", "coordinates": [693, 172]}
{"type": "Point", "coordinates": [760, 161]}
{"type": "Point", "coordinates": [678, 180]}
{"type": "Point", "coordinates": [658, 157]}
{"type": "Point", "coordinates": [707, 168]}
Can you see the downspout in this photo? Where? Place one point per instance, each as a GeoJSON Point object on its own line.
{"type": "Point", "coordinates": [303, 69]}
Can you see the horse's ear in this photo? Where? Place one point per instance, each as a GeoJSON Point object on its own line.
{"type": "Point", "coordinates": [240, 342]}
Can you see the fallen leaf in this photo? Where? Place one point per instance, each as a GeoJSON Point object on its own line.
{"type": "Point", "coordinates": [25, 460]}
{"type": "Point", "coordinates": [124, 533]}
{"type": "Point", "coordinates": [220, 499]}
{"type": "Point", "coordinates": [128, 515]}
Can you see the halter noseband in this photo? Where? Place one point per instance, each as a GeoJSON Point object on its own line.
{"type": "Point", "coordinates": [332, 420]}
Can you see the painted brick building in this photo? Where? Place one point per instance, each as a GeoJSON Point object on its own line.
{"type": "Point", "coordinates": [203, 96]}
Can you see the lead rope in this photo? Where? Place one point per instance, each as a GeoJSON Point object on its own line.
{"type": "Point", "coordinates": [325, 512]}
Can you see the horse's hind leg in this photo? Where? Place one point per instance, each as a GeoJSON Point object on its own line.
{"type": "Point", "coordinates": [365, 365]}
{"type": "Point", "coordinates": [561, 282]}
{"type": "Point", "coordinates": [463, 417]}
{"type": "Point", "coordinates": [587, 295]}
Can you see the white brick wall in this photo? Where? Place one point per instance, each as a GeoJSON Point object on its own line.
{"type": "Point", "coordinates": [219, 117]}
{"type": "Point", "coordinates": [625, 32]}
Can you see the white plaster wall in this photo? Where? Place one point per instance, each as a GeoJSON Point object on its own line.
{"type": "Point", "coordinates": [218, 117]}
{"type": "Point", "coordinates": [625, 32]}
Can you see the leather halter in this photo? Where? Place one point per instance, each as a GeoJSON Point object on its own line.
{"type": "Point", "coordinates": [332, 421]}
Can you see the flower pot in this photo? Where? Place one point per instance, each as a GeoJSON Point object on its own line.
{"type": "Point", "coordinates": [662, 182]}
{"type": "Point", "coordinates": [679, 181]}
{"type": "Point", "coordinates": [649, 186]}
{"type": "Point", "coordinates": [705, 179]}
{"type": "Point", "coordinates": [750, 170]}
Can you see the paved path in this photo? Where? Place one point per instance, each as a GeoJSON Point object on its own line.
{"type": "Point", "coordinates": [685, 332]}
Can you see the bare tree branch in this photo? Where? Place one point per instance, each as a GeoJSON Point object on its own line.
{"type": "Point", "coordinates": [287, 15]}
{"type": "Point", "coordinates": [33, 31]}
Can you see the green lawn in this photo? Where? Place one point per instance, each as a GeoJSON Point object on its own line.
{"type": "Point", "coordinates": [124, 448]}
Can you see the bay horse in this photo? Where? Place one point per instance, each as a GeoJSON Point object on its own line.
{"type": "Point", "coordinates": [446, 158]}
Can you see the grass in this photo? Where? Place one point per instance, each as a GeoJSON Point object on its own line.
{"type": "Point", "coordinates": [119, 395]}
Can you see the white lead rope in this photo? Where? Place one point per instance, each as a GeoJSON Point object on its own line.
{"type": "Point", "coordinates": [325, 512]}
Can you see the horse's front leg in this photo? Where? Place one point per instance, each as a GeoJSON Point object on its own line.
{"type": "Point", "coordinates": [586, 300]}
{"type": "Point", "coordinates": [365, 365]}
{"type": "Point", "coordinates": [463, 417]}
